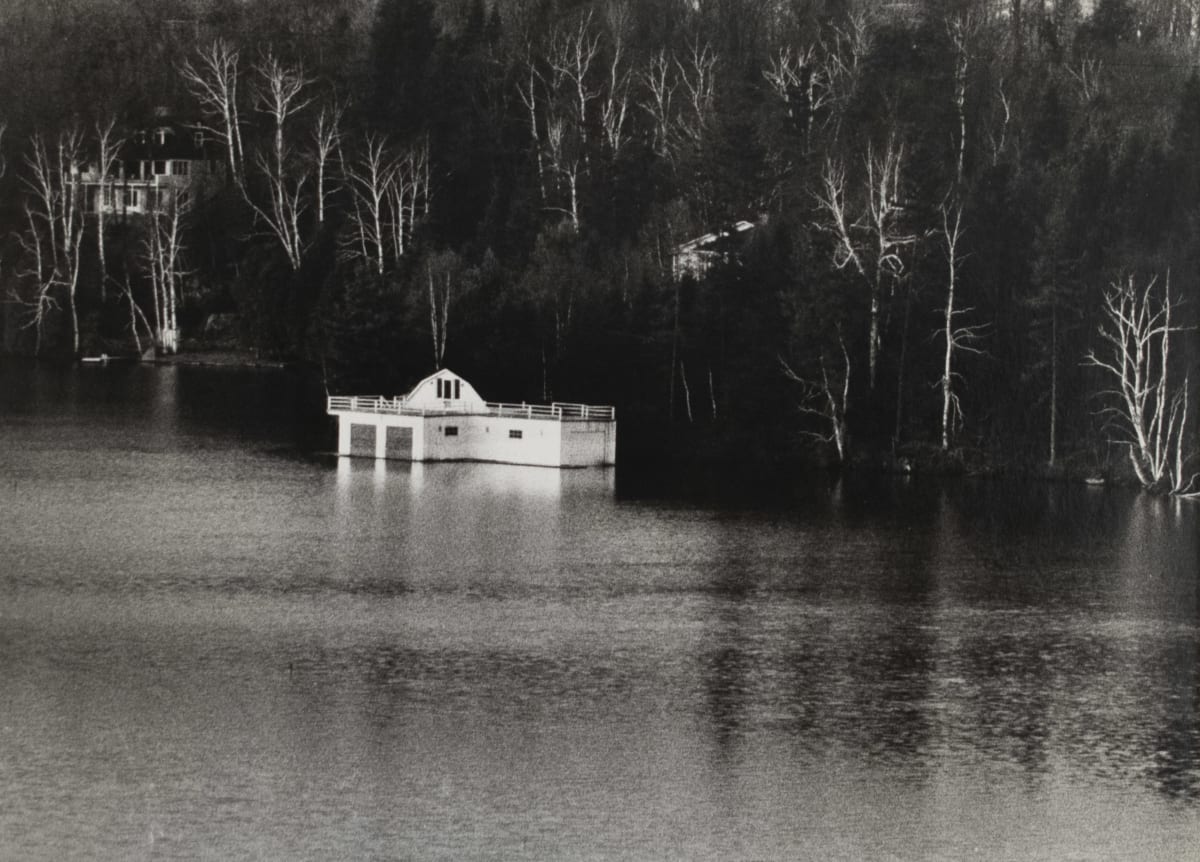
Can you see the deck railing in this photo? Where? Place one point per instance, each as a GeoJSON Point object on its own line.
{"type": "Point", "coordinates": [367, 404]}
{"type": "Point", "coordinates": [557, 411]}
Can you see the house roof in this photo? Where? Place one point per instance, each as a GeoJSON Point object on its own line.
{"type": "Point", "coordinates": [710, 241]}
{"type": "Point", "coordinates": [168, 138]}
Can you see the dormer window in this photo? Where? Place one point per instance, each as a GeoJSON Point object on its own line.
{"type": "Point", "coordinates": [160, 135]}
{"type": "Point", "coordinates": [448, 389]}
{"type": "Point", "coordinates": [198, 139]}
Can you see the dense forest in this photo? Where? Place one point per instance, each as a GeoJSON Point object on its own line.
{"type": "Point", "coordinates": [960, 232]}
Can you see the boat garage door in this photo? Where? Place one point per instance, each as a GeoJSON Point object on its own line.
{"type": "Point", "coordinates": [399, 443]}
{"type": "Point", "coordinates": [362, 440]}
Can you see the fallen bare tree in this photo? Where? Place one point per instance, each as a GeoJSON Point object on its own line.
{"type": "Point", "coordinates": [1150, 406]}
{"type": "Point", "coordinates": [827, 397]}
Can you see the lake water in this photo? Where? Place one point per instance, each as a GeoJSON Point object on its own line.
{"type": "Point", "coordinates": [217, 642]}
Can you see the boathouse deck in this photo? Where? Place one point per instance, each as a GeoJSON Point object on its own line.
{"type": "Point", "coordinates": [444, 419]}
{"type": "Point", "coordinates": [555, 411]}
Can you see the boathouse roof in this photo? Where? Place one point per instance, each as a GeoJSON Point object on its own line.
{"type": "Point", "coordinates": [445, 390]}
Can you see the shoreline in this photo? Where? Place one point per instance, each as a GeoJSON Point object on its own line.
{"type": "Point", "coordinates": [707, 450]}
{"type": "Point", "coordinates": [216, 359]}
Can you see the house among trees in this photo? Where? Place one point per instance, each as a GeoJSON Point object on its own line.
{"type": "Point", "coordinates": [165, 164]}
{"type": "Point", "coordinates": [697, 256]}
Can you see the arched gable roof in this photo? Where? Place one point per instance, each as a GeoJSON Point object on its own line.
{"type": "Point", "coordinates": [445, 390]}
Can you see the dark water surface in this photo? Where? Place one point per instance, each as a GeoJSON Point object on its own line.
{"type": "Point", "coordinates": [214, 644]}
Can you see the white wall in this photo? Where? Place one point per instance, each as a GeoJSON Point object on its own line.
{"type": "Point", "coordinates": [487, 438]}
{"type": "Point", "coordinates": [542, 442]}
{"type": "Point", "coordinates": [588, 444]}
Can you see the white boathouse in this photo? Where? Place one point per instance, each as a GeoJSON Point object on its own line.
{"type": "Point", "coordinates": [444, 419]}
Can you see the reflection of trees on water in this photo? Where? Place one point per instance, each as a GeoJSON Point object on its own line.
{"type": "Point", "coordinates": [1022, 624]}
{"type": "Point", "coordinates": [802, 643]}
{"type": "Point", "coordinates": [992, 686]}
{"type": "Point", "coordinates": [735, 656]}
{"type": "Point", "coordinates": [1161, 558]}
{"type": "Point", "coordinates": [1175, 769]}
{"type": "Point", "coordinates": [1089, 649]}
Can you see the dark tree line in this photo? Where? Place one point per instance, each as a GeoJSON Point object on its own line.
{"type": "Point", "coordinates": [944, 194]}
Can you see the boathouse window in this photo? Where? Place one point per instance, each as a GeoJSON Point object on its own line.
{"type": "Point", "coordinates": [451, 430]}
{"type": "Point", "coordinates": [515, 434]}
{"type": "Point", "coordinates": [445, 390]}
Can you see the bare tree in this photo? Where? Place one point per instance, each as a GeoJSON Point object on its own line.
{"type": "Point", "coordinates": [1088, 77]}
{"type": "Point", "coordinates": [447, 279]}
{"type": "Point", "coordinates": [802, 79]}
{"type": "Point", "coordinates": [213, 80]}
{"type": "Point", "coordinates": [614, 107]}
{"type": "Point", "coordinates": [439, 314]}
{"type": "Point", "coordinates": [842, 64]}
{"type": "Point", "coordinates": [960, 30]}
{"type": "Point", "coordinates": [957, 338]}
{"type": "Point", "coordinates": [369, 180]}
{"type": "Point", "coordinates": [53, 240]}
{"type": "Point", "coordinates": [280, 94]}
{"type": "Point", "coordinates": [697, 79]}
{"type": "Point", "coordinates": [573, 52]}
{"type": "Point", "coordinates": [678, 96]}
{"type": "Point", "coordinates": [687, 391]}
{"type": "Point", "coordinates": [388, 192]}
{"type": "Point", "coordinates": [529, 91]}
{"type": "Point", "coordinates": [872, 240]}
{"type": "Point", "coordinates": [108, 146]}
{"type": "Point", "coordinates": [1000, 138]}
{"type": "Point", "coordinates": [326, 139]}
{"type": "Point", "coordinates": [1150, 408]}
{"type": "Point", "coordinates": [163, 249]}
{"type": "Point", "coordinates": [409, 196]}
{"type": "Point", "coordinates": [40, 301]}
{"type": "Point", "coordinates": [562, 149]}
{"type": "Point", "coordinates": [39, 274]}
{"type": "Point", "coordinates": [136, 314]}
{"type": "Point", "coordinates": [659, 85]}
{"type": "Point", "coordinates": [823, 77]}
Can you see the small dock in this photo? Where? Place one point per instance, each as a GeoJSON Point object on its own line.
{"type": "Point", "coordinates": [443, 418]}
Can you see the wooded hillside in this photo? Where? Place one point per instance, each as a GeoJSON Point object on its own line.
{"type": "Point", "coordinates": [947, 198]}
